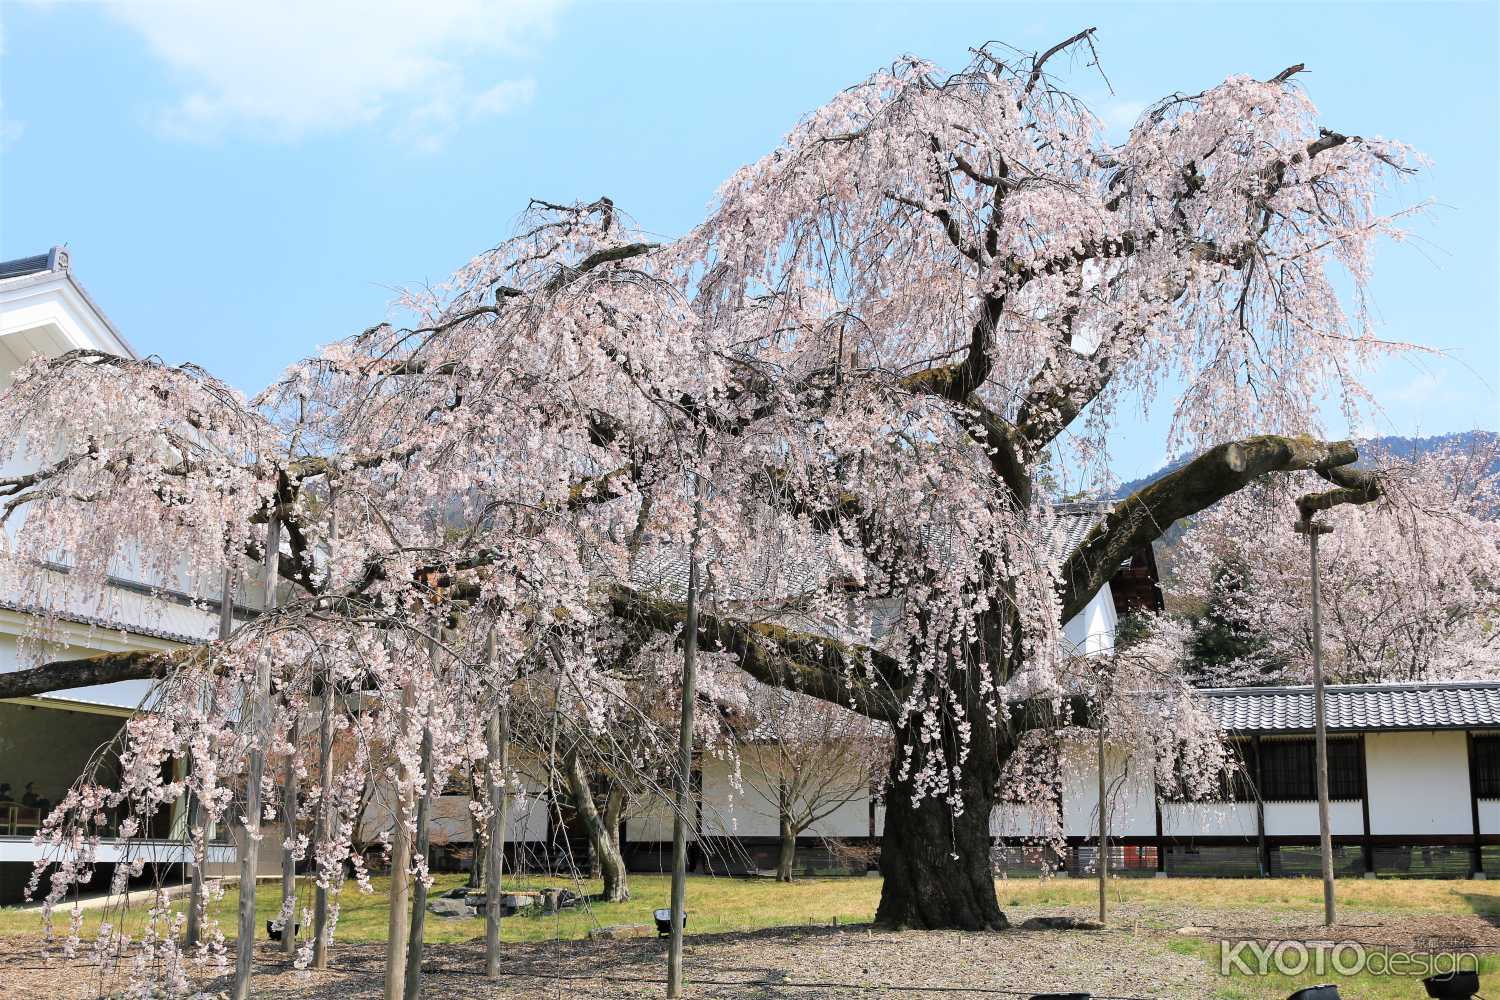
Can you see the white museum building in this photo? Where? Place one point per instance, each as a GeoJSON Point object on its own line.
{"type": "Point", "coordinates": [46, 741]}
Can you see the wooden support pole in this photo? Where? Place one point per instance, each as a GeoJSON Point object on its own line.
{"type": "Point", "coordinates": [685, 755]}
{"type": "Point", "coordinates": [1262, 847]}
{"type": "Point", "coordinates": [498, 740]}
{"type": "Point", "coordinates": [1476, 850]}
{"type": "Point", "coordinates": [419, 891]}
{"type": "Point", "coordinates": [397, 928]}
{"type": "Point", "coordinates": [414, 947]}
{"type": "Point", "coordinates": [326, 816]}
{"type": "Point", "coordinates": [1312, 530]}
{"type": "Point", "coordinates": [1103, 865]}
{"type": "Point", "coordinates": [288, 854]}
{"type": "Point", "coordinates": [196, 815]}
{"type": "Point", "coordinates": [1161, 840]}
{"type": "Point", "coordinates": [1366, 846]}
{"type": "Point", "coordinates": [325, 820]}
{"type": "Point", "coordinates": [258, 716]}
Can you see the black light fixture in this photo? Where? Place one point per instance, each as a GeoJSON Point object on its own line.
{"type": "Point", "coordinates": [664, 922]}
{"type": "Point", "coordinates": [1460, 984]}
{"type": "Point", "coordinates": [1322, 991]}
{"type": "Point", "coordinates": [274, 933]}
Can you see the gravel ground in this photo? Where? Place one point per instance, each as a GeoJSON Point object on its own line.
{"type": "Point", "coordinates": [1131, 959]}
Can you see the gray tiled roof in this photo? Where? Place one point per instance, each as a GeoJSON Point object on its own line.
{"type": "Point", "coordinates": [1074, 521]}
{"type": "Point", "coordinates": [55, 259]}
{"type": "Point", "coordinates": [1358, 707]}
{"type": "Point", "coordinates": [94, 621]}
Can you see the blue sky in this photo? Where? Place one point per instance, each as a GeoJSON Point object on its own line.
{"type": "Point", "coordinates": [238, 184]}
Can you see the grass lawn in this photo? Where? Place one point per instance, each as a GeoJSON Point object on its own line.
{"type": "Point", "coordinates": [717, 905]}
{"type": "Point", "coordinates": [730, 904]}
{"type": "Point", "coordinates": [1282, 895]}
{"type": "Point", "coordinates": [714, 905]}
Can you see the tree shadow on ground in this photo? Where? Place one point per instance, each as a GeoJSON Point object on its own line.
{"type": "Point", "coordinates": [1485, 906]}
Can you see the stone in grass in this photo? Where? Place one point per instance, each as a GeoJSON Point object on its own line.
{"type": "Point", "coordinates": [617, 932]}
{"type": "Point", "coordinates": [1195, 930]}
{"type": "Point", "coordinates": [1061, 924]}
{"type": "Point", "coordinates": [443, 906]}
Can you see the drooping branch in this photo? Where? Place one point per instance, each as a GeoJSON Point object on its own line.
{"type": "Point", "coordinates": [856, 677]}
{"type": "Point", "coordinates": [1146, 514]}
{"type": "Point", "coordinates": [106, 668]}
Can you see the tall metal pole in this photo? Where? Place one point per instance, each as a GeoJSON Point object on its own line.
{"type": "Point", "coordinates": [685, 752]}
{"type": "Point", "coordinates": [1312, 530]}
{"type": "Point", "coordinates": [258, 710]}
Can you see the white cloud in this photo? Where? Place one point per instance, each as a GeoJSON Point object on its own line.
{"type": "Point", "coordinates": [1120, 113]}
{"type": "Point", "coordinates": [502, 97]}
{"type": "Point", "coordinates": [10, 130]}
{"type": "Point", "coordinates": [283, 69]}
{"type": "Point", "coordinates": [1421, 388]}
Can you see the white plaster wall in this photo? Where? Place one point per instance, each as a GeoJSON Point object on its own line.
{"type": "Point", "coordinates": [1419, 783]}
{"type": "Point", "coordinates": [1489, 815]}
{"type": "Point", "coordinates": [730, 811]}
{"type": "Point", "coordinates": [850, 819]}
{"type": "Point", "coordinates": [1092, 631]}
{"type": "Point", "coordinates": [650, 821]}
{"type": "Point", "coordinates": [1301, 818]}
{"type": "Point", "coordinates": [1020, 820]}
{"type": "Point", "coordinates": [1208, 819]}
{"type": "Point", "coordinates": [527, 821]}
{"type": "Point", "coordinates": [750, 810]}
{"type": "Point", "coordinates": [1132, 803]}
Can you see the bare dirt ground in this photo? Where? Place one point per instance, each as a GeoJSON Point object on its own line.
{"type": "Point", "coordinates": [1133, 958]}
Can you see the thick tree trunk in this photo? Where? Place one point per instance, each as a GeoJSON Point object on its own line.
{"type": "Point", "coordinates": [937, 867]}
{"type": "Point", "coordinates": [787, 856]}
{"type": "Point", "coordinates": [604, 841]}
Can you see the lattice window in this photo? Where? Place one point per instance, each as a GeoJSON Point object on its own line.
{"type": "Point", "coordinates": [1288, 770]}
